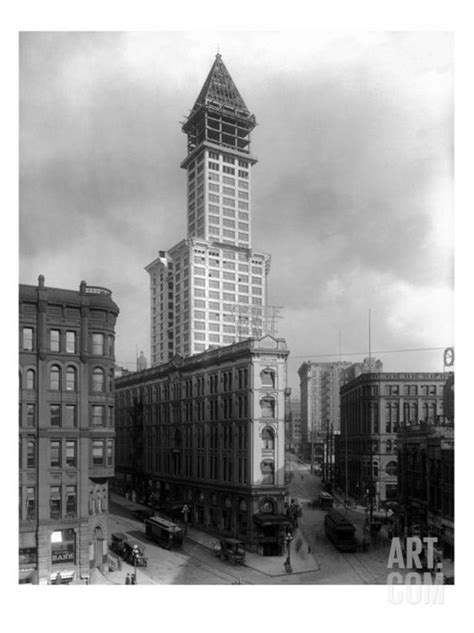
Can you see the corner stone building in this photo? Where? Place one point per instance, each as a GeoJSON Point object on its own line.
{"type": "Point", "coordinates": [66, 434]}
{"type": "Point", "coordinates": [208, 432]}
{"type": "Point", "coordinates": [373, 406]}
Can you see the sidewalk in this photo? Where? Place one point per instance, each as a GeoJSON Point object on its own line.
{"type": "Point", "coordinates": [301, 560]}
{"type": "Point", "coordinates": [118, 576]}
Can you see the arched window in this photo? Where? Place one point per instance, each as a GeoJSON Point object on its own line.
{"type": "Point", "coordinates": [268, 407]}
{"type": "Point", "coordinates": [268, 506]}
{"type": "Point", "coordinates": [268, 437]}
{"type": "Point", "coordinates": [71, 379]}
{"type": "Point", "coordinates": [98, 379]}
{"type": "Point", "coordinates": [55, 378]}
{"type": "Point", "coordinates": [30, 454]}
{"type": "Point", "coordinates": [30, 379]}
{"type": "Point", "coordinates": [391, 469]}
{"type": "Point", "coordinates": [268, 378]}
{"type": "Point", "coordinates": [425, 411]}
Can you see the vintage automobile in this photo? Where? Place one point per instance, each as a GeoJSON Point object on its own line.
{"type": "Point", "coordinates": [230, 549]}
{"type": "Point", "coordinates": [130, 552]}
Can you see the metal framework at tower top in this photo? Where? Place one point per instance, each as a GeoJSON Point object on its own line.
{"type": "Point", "coordinates": [219, 115]}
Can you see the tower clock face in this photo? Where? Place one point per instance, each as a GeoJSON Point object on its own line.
{"type": "Point", "coordinates": [449, 356]}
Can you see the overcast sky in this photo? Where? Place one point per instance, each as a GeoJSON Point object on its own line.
{"type": "Point", "coordinates": [352, 194]}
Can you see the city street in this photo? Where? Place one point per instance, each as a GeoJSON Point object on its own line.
{"type": "Point", "coordinates": [195, 563]}
{"type": "Point", "coordinates": [335, 567]}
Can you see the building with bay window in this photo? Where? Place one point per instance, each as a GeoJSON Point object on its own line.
{"type": "Point", "coordinates": [66, 430]}
{"type": "Point", "coordinates": [208, 432]}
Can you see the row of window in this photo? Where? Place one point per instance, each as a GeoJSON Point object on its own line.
{"type": "Point", "coordinates": [229, 286]}
{"type": "Point", "coordinates": [189, 387]}
{"type": "Point", "coordinates": [63, 452]}
{"type": "Point", "coordinates": [216, 295]}
{"type": "Point", "coordinates": [67, 341]}
{"type": "Point", "coordinates": [227, 159]}
{"type": "Point", "coordinates": [414, 390]}
{"type": "Point", "coordinates": [56, 502]}
{"type": "Point", "coordinates": [65, 416]}
{"type": "Point", "coordinates": [100, 381]}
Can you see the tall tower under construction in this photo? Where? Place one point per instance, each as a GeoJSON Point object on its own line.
{"type": "Point", "coordinates": [209, 290]}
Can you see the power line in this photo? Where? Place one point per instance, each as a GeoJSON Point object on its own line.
{"type": "Point", "coordinates": [387, 351]}
{"type": "Point", "coordinates": [339, 354]}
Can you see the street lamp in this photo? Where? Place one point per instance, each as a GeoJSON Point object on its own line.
{"type": "Point", "coordinates": [135, 553]}
{"type": "Point", "coordinates": [288, 539]}
{"type": "Point", "coordinates": [185, 511]}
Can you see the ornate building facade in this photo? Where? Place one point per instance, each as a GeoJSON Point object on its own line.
{"type": "Point", "coordinates": [208, 432]}
{"type": "Point", "coordinates": [66, 430]}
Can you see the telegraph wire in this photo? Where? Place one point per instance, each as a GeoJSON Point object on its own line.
{"type": "Point", "coordinates": [342, 354]}
{"type": "Point", "coordinates": [386, 351]}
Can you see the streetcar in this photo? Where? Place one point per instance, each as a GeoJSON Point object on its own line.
{"type": "Point", "coordinates": [164, 532]}
{"type": "Point", "coordinates": [340, 531]}
{"type": "Point", "coordinates": [326, 501]}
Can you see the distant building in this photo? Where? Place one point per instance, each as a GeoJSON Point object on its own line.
{"type": "Point", "coordinates": [142, 362]}
{"type": "Point", "coordinates": [121, 371]}
{"type": "Point", "coordinates": [66, 435]}
{"type": "Point", "coordinates": [372, 408]}
{"type": "Point", "coordinates": [368, 366]}
{"type": "Point", "coordinates": [208, 431]}
{"type": "Point", "coordinates": [294, 426]}
{"type": "Point", "coordinates": [209, 290]}
{"type": "Point", "coordinates": [320, 384]}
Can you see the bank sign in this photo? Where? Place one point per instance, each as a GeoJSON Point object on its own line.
{"type": "Point", "coordinates": [64, 554]}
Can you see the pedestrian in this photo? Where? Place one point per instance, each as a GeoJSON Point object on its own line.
{"type": "Point", "coordinates": [127, 580]}
{"type": "Point", "coordinates": [134, 579]}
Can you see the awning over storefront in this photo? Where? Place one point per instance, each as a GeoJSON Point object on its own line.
{"type": "Point", "coordinates": [265, 519]}
{"type": "Point", "coordinates": [26, 575]}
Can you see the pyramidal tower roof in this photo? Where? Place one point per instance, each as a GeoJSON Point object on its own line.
{"type": "Point", "coordinates": [220, 90]}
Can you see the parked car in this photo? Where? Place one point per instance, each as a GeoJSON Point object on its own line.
{"type": "Point", "coordinates": [130, 552]}
{"type": "Point", "coordinates": [230, 549]}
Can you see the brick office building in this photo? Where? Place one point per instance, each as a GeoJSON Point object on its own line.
{"type": "Point", "coordinates": [66, 430]}
{"type": "Point", "coordinates": [208, 431]}
{"type": "Point", "coordinates": [372, 408]}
